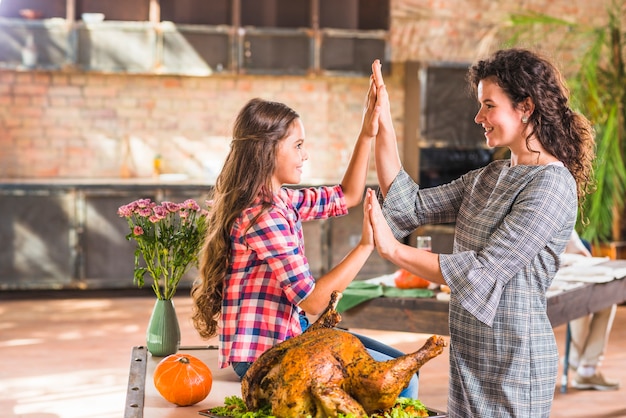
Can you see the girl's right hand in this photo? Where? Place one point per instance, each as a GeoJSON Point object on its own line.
{"type": "Point", "coordinates": [367, 232]}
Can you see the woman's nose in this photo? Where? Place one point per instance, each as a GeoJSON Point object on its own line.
{"type": "Point", "coordinates": [479, 117]}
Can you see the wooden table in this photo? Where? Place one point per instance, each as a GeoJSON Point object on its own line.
{"type": "Point", "coordinates": [143, 399]}
{"type": "Point", "coordinates": [384, 313]}
{"type": "Point", "coordinates": [430, 316]}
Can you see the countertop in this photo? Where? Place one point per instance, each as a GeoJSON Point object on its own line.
{"type": "Point", "coordinates": [169, 181]}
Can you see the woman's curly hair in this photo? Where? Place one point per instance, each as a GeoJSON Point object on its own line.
{"type": "Point", "coordinates": [567, 135]}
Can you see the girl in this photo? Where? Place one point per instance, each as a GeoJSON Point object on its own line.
{"type": "Point", "coordinates": [256, 285]}
{"type": "Point", "coordinates": [512, 220]}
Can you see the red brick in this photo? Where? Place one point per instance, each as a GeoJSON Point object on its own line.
{"type": "Point", "coordinates": [30, 89]}
{"type": "Point", "coordinates": [64, 90]}
{"type": "Point", "coordinates": [26, 111]}
{"type": "Point", "coordinates": [101, 91]}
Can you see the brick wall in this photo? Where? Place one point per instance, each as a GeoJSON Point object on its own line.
{"type": "Point", "coordinates": [95, 125]}
{"type": "Point", "coordinates": [87, 125]}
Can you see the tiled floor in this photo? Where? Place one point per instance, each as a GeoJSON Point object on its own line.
{"type": "Point", "coordinates": [63, 356]}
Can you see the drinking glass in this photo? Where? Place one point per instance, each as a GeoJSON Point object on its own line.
{"type": "Point", "coordinates": [424, 243]}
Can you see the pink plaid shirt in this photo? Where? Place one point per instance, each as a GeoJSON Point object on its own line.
{"type": "Point", "coordinates": [269, 274]}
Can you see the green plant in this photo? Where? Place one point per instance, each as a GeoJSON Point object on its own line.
{"type": "Point", "coordinates": [168, 238]}
{"type": "Point", "coordinates": [598, 87]}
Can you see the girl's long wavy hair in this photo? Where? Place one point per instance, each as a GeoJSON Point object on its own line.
{"type": "Point", "coordinates": [246, 176]}
{"type": "Point", "coordinates": [567, 135]}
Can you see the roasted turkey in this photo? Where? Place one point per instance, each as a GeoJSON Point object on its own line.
{"type": "Point", "coordinates": [326, 371]}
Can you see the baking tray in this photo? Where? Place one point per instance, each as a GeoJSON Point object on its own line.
{"type": "Point", "coordinates": [431, 413]}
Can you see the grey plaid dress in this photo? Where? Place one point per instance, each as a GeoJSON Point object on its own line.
{"type": "Point", "coordinates": [511, 225]}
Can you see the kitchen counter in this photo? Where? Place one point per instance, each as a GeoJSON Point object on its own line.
{"type": "Point", "coordinates": [166, 181]}
{"type": "Point", "coordinates": [66, 233]}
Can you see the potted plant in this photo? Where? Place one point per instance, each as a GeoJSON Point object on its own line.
{"type": "Point", "coordinates": [598, 86]}
{"type": "Point", "coordinates": [168, 238]}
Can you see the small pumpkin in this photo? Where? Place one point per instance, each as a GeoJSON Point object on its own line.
{"type": "Point", "coordinates": [404, 279]}
{"type": "Point", "coordinates": [183, 379]}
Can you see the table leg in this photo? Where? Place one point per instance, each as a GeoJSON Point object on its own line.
{"type": "Point", "coordinates": [568, 339]}
{"type": "Point", "coordinates": [135, 393]}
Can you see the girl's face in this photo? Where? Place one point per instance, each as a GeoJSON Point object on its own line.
{"type": "Point", "coordinates": [501, 120]}
{"type": "Point", "coordinates": [290, 157]}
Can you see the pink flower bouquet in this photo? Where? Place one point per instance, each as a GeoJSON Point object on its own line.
{"type": "Point", "coordinates": [168, 237]}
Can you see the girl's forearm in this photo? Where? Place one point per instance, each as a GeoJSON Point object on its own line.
{"type": "Point", "coordinates": [353, 182]}
{"type": "Point", "coordinates": [336, 279]}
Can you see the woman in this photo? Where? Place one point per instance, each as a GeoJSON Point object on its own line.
{"type": "Point", "coordinates": [513, 218]}
{"type": "Point", "coordinates": [256, 285]}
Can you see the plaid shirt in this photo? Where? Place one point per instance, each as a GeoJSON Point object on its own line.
{"type": "Point", "coordinates": [269, 274]}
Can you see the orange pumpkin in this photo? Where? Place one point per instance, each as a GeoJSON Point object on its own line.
{"type": "Point", "coordinates": [183, 379]}
{"type": "Point", "coordinates": [404, 279]}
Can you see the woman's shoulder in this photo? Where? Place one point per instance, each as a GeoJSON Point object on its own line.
{"type": "Point", "coordinates": [551, 178]}
{"type": "Point", "coordinates": [493, 170]}
{"type": "Point", "coordinates": [500, 174]}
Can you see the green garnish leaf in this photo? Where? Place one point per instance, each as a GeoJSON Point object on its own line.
{"type": "Point", "coordinates": [235, 407]}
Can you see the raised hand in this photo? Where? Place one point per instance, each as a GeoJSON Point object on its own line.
{"type": "Point", "coordinates": [387, 157]}
{"type": "Point", "coordinates": [382, 97]}
{"type": "Point", "coordinates": [372, 109]}
{"type": "Point", "coordinates": [384, 240]}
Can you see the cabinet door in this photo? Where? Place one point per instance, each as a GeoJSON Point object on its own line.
{"type": "Point", "coordinates": [281, 52]}
{"type": "Point", "coordinates": [117, 46]}
{"type": "Point", "coordinates": [107, 258]}
{"type": "Point", "coordinates": [351, 53]}
{"type": "Point", "coordinates": [195, 50]}
{"type": "Point", "coordinates": [35, 236]}
{"type": "Point", "coordinates": [33, 44]}
{"type": "Point", "coordinates": [316, 246]}
{"type": "Point", "coordinates": [193, 12]}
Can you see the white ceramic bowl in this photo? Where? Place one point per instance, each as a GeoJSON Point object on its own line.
{"type": "Point", "coordinates": [92, 17]}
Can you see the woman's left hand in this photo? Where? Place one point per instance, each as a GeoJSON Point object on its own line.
{"type": "Point", "coordinates": [385, 242]}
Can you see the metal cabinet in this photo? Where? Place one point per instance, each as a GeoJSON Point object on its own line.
{"type": "Point", "coordinates": [69, 236]}
{"type": "Point", "coordinates": [195, 37]}
{"type": "Point", "coordinates": [36, 240]}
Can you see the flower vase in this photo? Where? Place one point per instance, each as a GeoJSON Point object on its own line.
{"type": "Point", "coordinates": [163, 334]}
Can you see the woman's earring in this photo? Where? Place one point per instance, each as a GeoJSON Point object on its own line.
{"type": "Point", "coordinates": [524, 119]}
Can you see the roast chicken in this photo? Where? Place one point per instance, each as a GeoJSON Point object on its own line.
{"type": "Point", "coordinates": [326, 371]}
